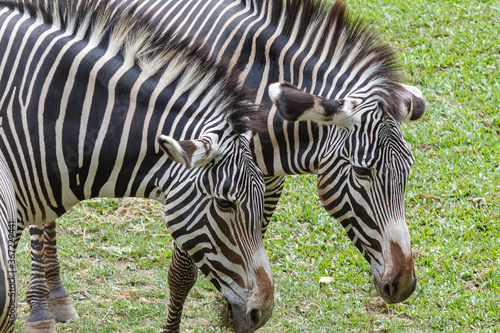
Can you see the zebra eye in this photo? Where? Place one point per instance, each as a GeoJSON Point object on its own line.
{"type": "Point", "coordinates": [225, 205]}
{"type": "Point", "coordinates": [362, 172]}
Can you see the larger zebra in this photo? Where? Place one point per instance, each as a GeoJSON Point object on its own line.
{"type": "Point", "coordinates": [362, 160]}
{"type": "Point", "coordinates": [91, 100]}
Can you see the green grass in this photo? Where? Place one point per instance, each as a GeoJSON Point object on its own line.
{"type": "Point", "coordinates": [115, 254]}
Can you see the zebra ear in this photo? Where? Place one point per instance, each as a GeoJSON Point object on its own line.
{"type": "Point", "coordinates": [294, 104]}
{"type": "Point", "coordinates": [190, 153]}
{"type": "Point", "coordinates": [414, 103]}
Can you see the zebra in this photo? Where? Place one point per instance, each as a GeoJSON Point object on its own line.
{"type": "Point", "coordinates": [346, 91]}
{"type": "Point", "coordinates": [96, 102]}
{"type": "Point", "coordinates": [8, 273]}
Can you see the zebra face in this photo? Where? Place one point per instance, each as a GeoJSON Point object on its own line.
{"type": "Point", "coordinates": [362, 184]}
{"type": "Point", "coordinates": [362, 176]}
{"type": "Point", "coordinates": [214, 210]}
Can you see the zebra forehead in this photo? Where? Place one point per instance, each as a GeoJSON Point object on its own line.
{"type": "Point", "coordinates": [382, 141]}
{"type": "Point", "coordinates": [375, 103]}
{"type": "Point", "coordinates": [238, 174]}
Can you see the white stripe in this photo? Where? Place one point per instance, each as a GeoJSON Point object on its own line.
{"type": "Point", "coordinates": [188, 31]}
{"type": "Point", "coordinates": [142, 152]}
{"type": "Point", "coordinates": [177, 16]}
{"type": "Point", "coordinates": [210, 15]}
{"type": "Point", "coordinates": [108, 190]}
{"type": "Point", "coordinates": [68, 200]}
{"type": "Point", "coordinates": [87, 103]}
{"type": "Point", "coordinates": [103, 130]}
{"type": "Point", "coordinates": [249, 25]}
{"type": "Point", "coordinates": [224, 27]}
{"type": "Point", "coordinates": [312, 31]}
{"type": "Point", "coordinates": [70, 82]}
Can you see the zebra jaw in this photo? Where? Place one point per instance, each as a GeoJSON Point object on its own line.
{"type": "Point", "coordinates": [294, 104]}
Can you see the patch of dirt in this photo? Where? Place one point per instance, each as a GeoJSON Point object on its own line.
{"type": "Point", "coordinates": [126, 210]}
{"type": "Point", "coordinates": [471, 285]}
{"type": "Point", "coordinates": [378, 309]}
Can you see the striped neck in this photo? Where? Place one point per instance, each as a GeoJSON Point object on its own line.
{"type": "Point", "coordinates": [100, 140]}
{"type": "Point", "coordinates": [315, 46]}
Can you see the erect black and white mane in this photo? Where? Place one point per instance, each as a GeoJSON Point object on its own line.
{"type": "Point", "coordinates": [124, 29]}
{"type": "Point", "coordinates": [334, 36]}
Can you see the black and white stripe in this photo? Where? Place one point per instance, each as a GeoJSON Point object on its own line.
{"type": "Point", "coordinates": [357, 151]}
{"type": "Point", "coordinates": [91, 95]}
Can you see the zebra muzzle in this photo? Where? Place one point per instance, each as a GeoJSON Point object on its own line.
{"type": "Point", "coordinates": [253, 310]}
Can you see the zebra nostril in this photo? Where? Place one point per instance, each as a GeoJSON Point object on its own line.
{"type": "Point", "coordinates": [386, 290]}
{"type": "Point", "coordinates": [254, 317]}
{"type": "Point", "coordinates": [389, 289]}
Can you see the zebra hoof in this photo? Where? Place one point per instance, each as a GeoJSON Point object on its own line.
{"type": "Point", "coordinates": [42, 326]}
{"type": "Point", "coordinates": [63, 310]}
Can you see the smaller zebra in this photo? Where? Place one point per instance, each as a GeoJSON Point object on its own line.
{"type": "Point", "coordinates": [8, 273]}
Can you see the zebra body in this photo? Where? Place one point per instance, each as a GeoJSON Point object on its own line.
{"type": "Point", "coordinates": [346, 91]}
{"type": "Point", "coordinates": [345, 85]}
{"type": "Point", "coordinates": [8, 272]}
{"type": "Point", "coordinates": [100, 106]}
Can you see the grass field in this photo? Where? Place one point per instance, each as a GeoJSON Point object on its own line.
{"type": "Point", "coordinates": [115, 253]}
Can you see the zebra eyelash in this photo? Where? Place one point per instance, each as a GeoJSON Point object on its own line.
{"type": "Point", "coordinates": [362, 172]}
{"type": "Point", "coordinates": [225, 205]}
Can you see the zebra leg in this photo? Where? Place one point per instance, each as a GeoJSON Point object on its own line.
{"type": "Point", "coordinates": [40, 319]}
{"type": "Point", "coordinates": [60, 303]}
{"type": "Point", "coordinates": [182, 275]}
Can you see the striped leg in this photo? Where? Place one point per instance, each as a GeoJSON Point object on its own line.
{"type": "Point", "coordinates": [60, 303]}
{"type": "Point", "coordinates": [40, 319]}
{"type": "Point", "coordinates": [182, 275]}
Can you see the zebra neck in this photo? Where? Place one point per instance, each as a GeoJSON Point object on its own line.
{"type": "Point", "coordinates": [260, 54]}
{"type": "Point", "coordinates": [289, 148]}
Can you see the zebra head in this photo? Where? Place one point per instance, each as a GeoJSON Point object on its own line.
{"type": "Point", "coordinates": [214, 212]}
{"type": "Point", "coordinates": [362, 174]}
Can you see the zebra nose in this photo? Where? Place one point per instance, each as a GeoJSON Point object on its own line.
{"type": "Point", "coordinates": [254, 317]}
{"type": "Point", "coordinates": [398, 289]}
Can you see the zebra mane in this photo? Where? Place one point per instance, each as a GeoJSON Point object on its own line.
{"type": "Point", "coordinates": [333, 35]}
{"type": "Point", "coordinates": [123, 28]}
